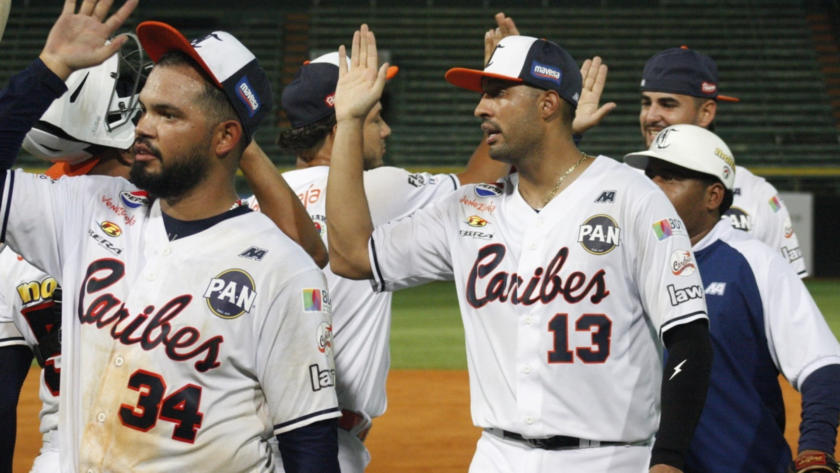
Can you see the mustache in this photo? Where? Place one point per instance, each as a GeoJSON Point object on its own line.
{"type": "Point", "coordinates": [150, 149]}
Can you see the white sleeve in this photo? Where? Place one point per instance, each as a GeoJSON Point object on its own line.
{"type": "Point", "coordinates": [9, 333]}
{"type": "Point", "coordinates": [295, 356]}
{"type": "Point", "coordinates": [412, 251]}
{"type": "Point", "coordinates": [774, 227]}
{"type": "Point", "coordinates": [35, 212]}
{"type": "Point", "coordinates": [394, 193]}
{"type": "Point", "coordinates": [668, 278]}
{"type": "Point", "coordinates": [798, 337]}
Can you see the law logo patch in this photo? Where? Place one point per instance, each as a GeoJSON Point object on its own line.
{"type": "Point", "coordinates": [791, 255]}
{"type": "Point", "coordinates": [488, 190]}
{"type": "Point", "coordinates": [134, 199]}
{"type": "Point", "coordinates": [321, 379]}
{"type": "Point", "coordinates": [678, 296]}
{"type": "Point", "coordinates": [254, 253]}
{"type": "Point", "coordinates": [739, 219]}
{"type": "Point", "coordinates": [716, 289]}
{"type": "Point", "coordinates": [606, 197]}
{"type": "Point", "coordinates": [231, 294]}
{"type": "Point", "coordinates": [323, 337]}
{"type": "Point", "coordinates": [682, 264]}
{"type": "Point", "coordinates": [668, 227]}
{"type": "Point", "coordinates": [599, 235]}
{"type": "Point", "coordinates": [476, 221]}
{"type": "Point", "coordinates": [316, 300]}
{"type": "Point", "coordinates": [111, 229]}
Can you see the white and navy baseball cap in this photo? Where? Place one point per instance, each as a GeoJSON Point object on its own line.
{"type": "Point", "coordinates": [690, 147]}
{"type": "Point", "coordinates": [227, 61]}
{"type": "Point", "coordinates": [531, 61]}
{"type": "Point", "coordinates": [311, 94]}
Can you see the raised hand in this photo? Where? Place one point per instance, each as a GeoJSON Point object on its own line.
{"type": "Point", "coordinates": [492, 37]}
{"type": "Point", "coordinates": [78, 40]}
{"type": "Point", "coordinates": [588, 114]}
{"type": "Point", "coordinates": [359, 88]}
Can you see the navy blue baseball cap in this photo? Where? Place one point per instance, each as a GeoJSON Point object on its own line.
{"type": "Point", "coordinates": [685, 72]}
{"type": "Point", "coordinates": [311, 94]}
{"type": "Point", "coordinates": [233, 68]}
{"type": "Point", "coordinates": [531, 61]}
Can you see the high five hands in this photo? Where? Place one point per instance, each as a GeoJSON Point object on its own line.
{"type": "Point", "coordinates": [360, 87]}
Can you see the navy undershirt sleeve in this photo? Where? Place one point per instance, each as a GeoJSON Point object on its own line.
{"type": "Point", "coordinates": [28, 95]}
{"type": "Point", "coordinates": [820, 410]}
{"type": "Point", "coordinates": [311, 449]}
{"type": "Point", "coordinates": [13, 370]}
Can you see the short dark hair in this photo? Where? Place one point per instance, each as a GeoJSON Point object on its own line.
{"type": "Point", "coordinates": [302, 141]}
{"type": "Point", "coordinates": [567, 111]}
{"type": "Point", "coordinates": [212, 98]}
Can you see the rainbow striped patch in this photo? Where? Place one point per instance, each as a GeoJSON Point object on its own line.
{"type": "Point", "coordinates": [312, 300]}
{"type": "Point", "coordinates": [775, 204]}
{"type": "Point", "coordinates": [662, 229]}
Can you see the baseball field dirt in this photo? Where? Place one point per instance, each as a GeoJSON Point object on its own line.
{"type": "Point", "coordinates": [427, 427]}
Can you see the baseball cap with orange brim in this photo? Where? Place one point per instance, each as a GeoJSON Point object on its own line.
{"type": "Point", "coordinates": [310, 96]}
{"type": "Point", "coordinates": [64, 168]}
{"type": "Point", "coordinates": [232, 67]}
{"type": "Point", "coordinates": [685, 72]}
{"type": "Point", "coordinates": [530, 61]}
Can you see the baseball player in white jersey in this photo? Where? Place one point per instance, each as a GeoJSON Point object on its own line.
{"type": "Point", "coordinates": [679, 86]}
{"type": "Point", "coordinates": [563, 299]}
{"type": "Point", "coordinates": [193, 329]}
{"type": "Point", "coordinates": [361, 316]}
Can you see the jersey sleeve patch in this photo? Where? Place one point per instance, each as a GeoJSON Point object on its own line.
{"type": "Point", "coordinates": [668, 227]}
{"type": "Point", "coordinates": [316, 300]}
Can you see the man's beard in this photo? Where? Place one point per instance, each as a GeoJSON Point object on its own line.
{"type": "Point", "coordinates": [176, 178]}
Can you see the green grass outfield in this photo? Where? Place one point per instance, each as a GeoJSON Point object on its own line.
{"type": "Point", "coordinates": [426, 332]}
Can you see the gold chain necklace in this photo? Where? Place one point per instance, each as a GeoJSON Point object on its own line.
{"type": "Point", "coordinates": [562, 178]}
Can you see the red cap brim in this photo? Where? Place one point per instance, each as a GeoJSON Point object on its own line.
{"type": "Point", "coordinates": [392, 71]}
{"type": "Point", "coordinates": [62, 169]}
{"type": "Point", "coordinates": [470, 79]}
{"type": "Point", "coordinates": [159, 38]}
{"type": "Point", "coordinates": [724, 98]}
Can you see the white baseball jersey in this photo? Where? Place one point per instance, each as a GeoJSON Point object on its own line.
{"type": "Point", "coordinates": [758, 210]}
{"type": "Point", "coordinates": [26, 306]}
{"type": "Point", "coordinates": [178, 354]}
{"type": "Point", "coordinates": [562, 308]}
{"type": "Point", "coordinates": [361, 317]}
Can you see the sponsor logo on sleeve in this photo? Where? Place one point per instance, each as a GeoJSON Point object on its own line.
{"type": "Point", "coordinates": [668, 227]}
{"type": "Point", "coordinates": [316, 300]}
{"type": "Point", "coordinates": [111, 229]}
{"type": "Point", "coordinates": [231, 294]}
{"type": "Point", "coordinates": [476, 221]}
{"type": "Point", "coordinates": [788, 227]}
{"type": "Point", "coordinates": [716, 289]}
{"type": "Point", "coordinates": [254, 253]}
{"type": "Point", "coordinates": [679, 296]}
{"type": "Point", "coordinates": [791, 255]}
{"type": "Point", "coordinates": [323, 337]}
{"type": "Point", "coordinates": [321, 379]}
{"type": "Point", "coordinates": [420, 180]}
{"type": "Point", "coordinates": [775, 203]}
{"type": "Point", "coordinates": [682, 263]}
{"type": "Point", "coordinates": [488, 190]}
{"type": "Point", "coordinates": [599, 235]}
{"type": "Point", "coordinates": [544, 72]}
{"type": "Point", "coordinates": [247, 95]}
{"type": "Point", "coordinates": [606, 197]}
{"type": "Point", "coordinates": [739, 219]}
{"type": "Point", "coordinates": [134, 199]}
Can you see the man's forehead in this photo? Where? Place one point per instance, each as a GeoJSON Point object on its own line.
{"type": "Point", "coordinates": [496, 83]}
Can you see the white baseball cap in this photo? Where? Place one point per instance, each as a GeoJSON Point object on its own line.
{"type": "Point", "coordinates": [690, 147]}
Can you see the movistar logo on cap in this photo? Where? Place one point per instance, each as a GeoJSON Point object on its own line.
{"type": "Point", "coordinates": [543, 72]}
{"type": "Point", "coordinates": [247, 96]}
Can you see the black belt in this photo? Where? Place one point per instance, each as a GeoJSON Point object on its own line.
{"type": "Point", "coordinates": [558, 442]}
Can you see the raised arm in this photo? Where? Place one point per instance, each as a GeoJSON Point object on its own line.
{"type": "Point", "coordinates": [349, 225]}
{"type": "Point", "coordinates": [280, 203]}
